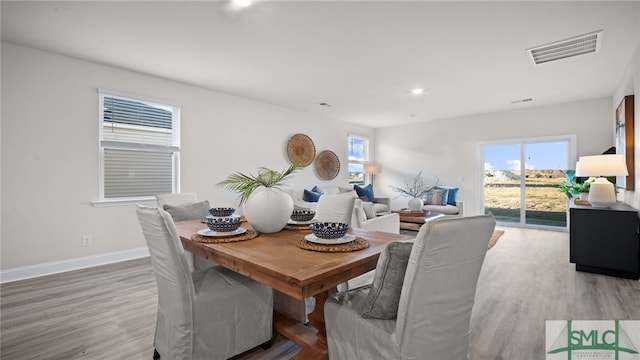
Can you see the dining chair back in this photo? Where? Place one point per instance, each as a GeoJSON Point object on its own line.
{"type": "Point", "coordinates": [179, 202]}
{"type": "Point", "coordinates": [435, 302]}
{"type": "Point", "coordinates": [212, 313]}
{"type": "Point", "coordinates": [335, 208]}
{"type": "Point", "coordinates": [330, 208]}
{"type": "Point", "coordinates": [176, 199]}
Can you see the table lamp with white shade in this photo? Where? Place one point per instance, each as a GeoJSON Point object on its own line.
{"type": "Point", "coordinates": [601, 192]}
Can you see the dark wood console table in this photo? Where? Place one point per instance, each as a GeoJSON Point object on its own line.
{"type": "Point", "coordinates": [605, 240]}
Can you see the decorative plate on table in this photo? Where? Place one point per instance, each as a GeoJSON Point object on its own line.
{"type": "Point", "coordinates": [217, 217]}
{"type": "Point", "coordinates": [327, 165]}
{"type": "Point", "coordinates": [301, 149]}
{"type": "Point", "coordinates": [293, 222]}
{"type": "Point", "coordinates": [208, 232]}
{"type": "Point", "coordinates": [343, 240]}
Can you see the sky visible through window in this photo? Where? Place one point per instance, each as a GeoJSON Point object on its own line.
{"type": "Point", "coordinates": [356, 152]}
{"type": "Point", "coordinates": [538, 156]}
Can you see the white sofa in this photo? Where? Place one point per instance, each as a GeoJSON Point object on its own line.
{"type": "Point", "coordinates": [456, 210]}
{"type": "Point", "coordinates": [386, 222]}
{"type": "Point", "coordinates": [452, 208]}
{"type": "Point", "coordinates": [376, 217]}
{"type": "Point", "coordinates": [382, 205]}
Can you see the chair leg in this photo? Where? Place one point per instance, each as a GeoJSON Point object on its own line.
{"type": "Point", "coordinates": [266, 345]}
{"type": "Point", "coordinates": [156, 355]}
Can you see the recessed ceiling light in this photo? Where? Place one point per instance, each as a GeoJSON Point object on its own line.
{"type": "Point", "coordinates": [324, 104]}
{"type": "Point", "coordinates": [417, 91]}
{"type": "Point", "coordinates": [242, 3]}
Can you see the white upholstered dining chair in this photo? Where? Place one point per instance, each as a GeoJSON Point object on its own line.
{"type": "Point", "coordinates": [386, 223]}
{"type": "Point", "coordinates": [330, 208]}
{"type": "Point", "coordinates": [212, 313]}
{"type": "Point", "coordinates": [185, 206]}
{"type": "Point", "coordinates": [419, 306]}
{"type": "Point", "coordinates": [176, 199]}
{"type": "Point", "coordinates": [335, 208]}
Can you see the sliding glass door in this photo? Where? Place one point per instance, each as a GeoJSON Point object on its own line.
{"type": "Point", "coordinates": [521, 180]}
{"type": "Point", "coordinates": [502, 185]}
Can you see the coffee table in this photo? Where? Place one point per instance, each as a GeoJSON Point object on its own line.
{"type": "Point", "coordinates": [413, 220]}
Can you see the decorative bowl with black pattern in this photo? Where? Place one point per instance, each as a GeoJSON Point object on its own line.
{"type": "Point", "coordinates": [302, 215]}
{"type": "Point", "coordinates": [329, 230]}
{"type": "Point", "coordinates": [221, 211]}
{"type": "Point", "coordinates": [224, 224]}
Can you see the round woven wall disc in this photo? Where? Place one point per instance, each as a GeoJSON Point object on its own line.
{"type": "Point", "coordinates": [327, 165]}
{"type": "Point", "coordinates": [301, 150]}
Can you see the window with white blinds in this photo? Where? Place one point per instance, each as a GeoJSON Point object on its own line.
{"type": "Point", "coordinates": [140, 145]}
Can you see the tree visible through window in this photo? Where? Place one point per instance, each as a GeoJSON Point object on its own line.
{"type": "Point", "coordinates": [358, 156]}
{"type": "Point", "coordinates": [140, 144]}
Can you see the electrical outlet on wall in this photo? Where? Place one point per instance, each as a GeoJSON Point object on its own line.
{"type": "Point", "coordinates": [87, 240]}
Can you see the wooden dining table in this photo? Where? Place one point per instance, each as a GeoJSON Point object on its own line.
{"type": "Point", "coordinates": [275, 260]}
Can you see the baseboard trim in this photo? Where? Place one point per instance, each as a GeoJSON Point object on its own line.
{"type": "Point", "coordinates": [56, 267]}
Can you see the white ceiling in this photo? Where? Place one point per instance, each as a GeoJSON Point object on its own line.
{"type": "Point", "coordinates": [362, 57]}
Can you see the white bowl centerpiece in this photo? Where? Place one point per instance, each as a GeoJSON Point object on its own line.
{"type": "Point", "coordinates": [266, 207]}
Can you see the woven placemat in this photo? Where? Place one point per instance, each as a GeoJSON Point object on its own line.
{"type": "Point", "coordinates": [355, 245]}
{"type": "Point", "coordinates": [250, 234]}
{"type": "Point", "coordinates": [297, 227]}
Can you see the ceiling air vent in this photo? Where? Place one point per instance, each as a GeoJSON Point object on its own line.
{"type": "Point", "coordinates": [579, 45]}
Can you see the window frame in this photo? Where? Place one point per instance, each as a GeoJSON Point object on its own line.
{"type": "Point", "coordinates": [571, 140]}
{"type": "Point", "coordinates": [106, 145]}
{"type": "Point", "coordinates": [366, 156]}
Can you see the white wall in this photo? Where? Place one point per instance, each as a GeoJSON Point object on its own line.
{"type": "Point", "coordinates": [629, 85]}
{"type": "Point", "coordinates": [448, 148]}
{"type": "Point", "coordinates": [50, 152]}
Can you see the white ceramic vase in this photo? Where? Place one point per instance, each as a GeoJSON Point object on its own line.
{"type": "Point", "coordinates": [416, 204]}
{"type": "Point", "coordinates": [268, 209]}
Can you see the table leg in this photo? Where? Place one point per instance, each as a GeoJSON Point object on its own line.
{"type": "Point", "coordinates": [316, 318]}
{"type": "Point", "coordinates": [314, 345]}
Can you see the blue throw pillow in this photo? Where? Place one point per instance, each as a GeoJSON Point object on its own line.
{"type": "Point", "coordinates": [365, 191]}
{"type": "Point", "coordinates": [311, 196]}
{"type": "Point", "coordinates": [316, 189]}
{"type": "Point", "coordinates": [452, 194]}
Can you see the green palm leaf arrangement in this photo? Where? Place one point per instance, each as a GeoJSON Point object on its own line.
{"type": "Point", "coordinates": [245, 184]}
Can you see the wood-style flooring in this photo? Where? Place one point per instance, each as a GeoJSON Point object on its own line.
{"type": "Point", "coordinates": [108, 312]}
